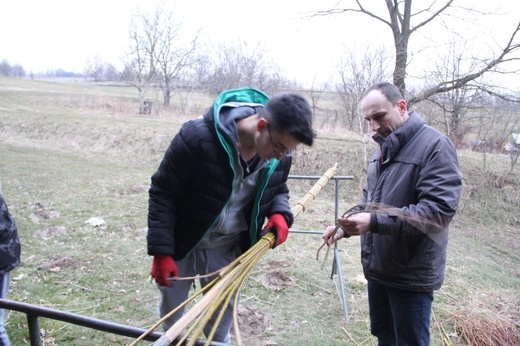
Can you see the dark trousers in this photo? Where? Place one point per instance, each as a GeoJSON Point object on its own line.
{"type": "Point", "coordinates": [399, 317]}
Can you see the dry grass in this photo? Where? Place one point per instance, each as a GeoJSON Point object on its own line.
{"type": "Point", "coordinates": [81, 151]}
{"type": "Point", "coordinates": [474, 327]}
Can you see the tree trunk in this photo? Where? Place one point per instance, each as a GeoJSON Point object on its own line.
{"type": "Point", "coordinates": [400, 25]}
{"type": "Point", "coordinates": [166, 95]}
{"type": "Point", "coordinates": [141, 102]}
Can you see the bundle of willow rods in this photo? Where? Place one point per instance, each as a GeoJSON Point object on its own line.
{"type": "Point", "coordinates": [226, 286]}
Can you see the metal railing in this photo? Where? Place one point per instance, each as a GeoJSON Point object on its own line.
{"type": "Point", "coordinates": [34, 312]}
{"type": "Point", "coordinates": [336, 263]}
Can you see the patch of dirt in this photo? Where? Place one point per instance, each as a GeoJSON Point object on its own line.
{"type": "Point", "coordinates": [140, 233]}
{"type": "Point", "coordinates": [59, 262]}
{"type": "Point", "coordinates": [276, 280]}
{"type": "Point", "coordinates": [47, 338]}
{"type": "Point", "coordinates": [280, 264]}
{"type": "Point", "coordinates": [51, 232]}
{"type": "Point", "coordinates": [40, 213]}
{"type": "Point", "coordinates": [252, 322]}
{"type": "Point", "coordinates": [134, 190]}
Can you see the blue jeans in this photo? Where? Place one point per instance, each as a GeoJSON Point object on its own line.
{"type": "Point", "coordinates": [399, 317]}
{"type": "Point", "coordinates": [4, 286]}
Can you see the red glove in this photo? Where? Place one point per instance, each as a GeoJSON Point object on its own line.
{"type": "Point", "coordinates": [278, 225]}
{"type": "Point", "coordinates": [162, 268]}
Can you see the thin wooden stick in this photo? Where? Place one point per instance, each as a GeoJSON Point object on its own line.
{"type": "Point", "coordinates": [168, 315]}
{"type": "Point", "coordinates": [379, 208]}
{"type": "Point", "coordinates": [230, 280]}
{"type": "Point", "coordinates": [349, 336]}
{"type": "Point", "coordinates": [444, 336]}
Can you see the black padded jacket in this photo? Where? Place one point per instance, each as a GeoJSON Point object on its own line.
{"type": "Point", "coordinates": [194, 182]}
{"type": "Point", "coordinates": [10, 248]}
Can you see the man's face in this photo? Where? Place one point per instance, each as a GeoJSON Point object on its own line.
{"type": "Point", "coordinates": [272, 144]}
{"type": "Point", "coordinates": [384, 117]}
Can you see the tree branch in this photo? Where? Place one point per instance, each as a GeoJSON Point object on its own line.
{"type": "Point", "coordinates": [433, 16]}
{"type": "Point", "coordinates": [361, 9]}
{"type": "Point", "coordinates": [459, 82]}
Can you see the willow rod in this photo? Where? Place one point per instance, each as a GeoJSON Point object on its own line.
{"type": "Point", "coordinates": [229, 281]}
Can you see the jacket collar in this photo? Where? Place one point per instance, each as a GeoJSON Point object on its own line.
{"type": "Point", "coordinates": [220, 116]}
{"type": "Point", "coordinates": [392, 144]}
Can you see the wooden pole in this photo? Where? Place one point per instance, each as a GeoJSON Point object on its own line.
{"type": "Point", "coordinates": [231, 277]}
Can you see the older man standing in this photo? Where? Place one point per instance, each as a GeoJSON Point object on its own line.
{"type": "Point", "coordinates": [415, 170]}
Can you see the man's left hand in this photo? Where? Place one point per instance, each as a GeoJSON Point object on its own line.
{"type": "Point", "coordinates": [278, 226]}
{"type": "Point", "coordinates": [355, 224]}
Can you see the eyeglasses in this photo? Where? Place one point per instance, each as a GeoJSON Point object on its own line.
{"type": "Point", "coordinates": [278, 148]}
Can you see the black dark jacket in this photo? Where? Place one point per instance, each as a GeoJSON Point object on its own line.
{"type": "Point", "coordinates": [9, 243]}
{"type": "Point", "coordinates": [194, 182]}
{"type": "Point", "coordinates": [415, 169]}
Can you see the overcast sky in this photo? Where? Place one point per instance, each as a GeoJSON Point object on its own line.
{"type": "Point", "coordinates": [50, 34]}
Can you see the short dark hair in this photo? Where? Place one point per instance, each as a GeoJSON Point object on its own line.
{"type": "Point", "coordinates": [390, 91]}
{"type": "Point", "coordinates": [290, 113]}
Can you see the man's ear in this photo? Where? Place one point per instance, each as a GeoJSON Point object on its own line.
{"type": "Point", "coordinates": [402, 106]}
{"type": "Point", "coordinates": [262, 124]}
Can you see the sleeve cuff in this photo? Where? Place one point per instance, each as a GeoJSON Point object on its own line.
{"type": "Point", "coordinates": [345, 234]}
{"type": "Point", "coordinates": [373, 223]}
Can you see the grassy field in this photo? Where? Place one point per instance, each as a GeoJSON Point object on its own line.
{"type": "Point", "coordinates": [70, 152]}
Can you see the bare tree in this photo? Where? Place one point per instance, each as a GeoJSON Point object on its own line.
{"type": "Point", "coordinates": [459, 112]}
{"type": "Point", "coordinates": [403, 22]}
{"type": "Point", "coordinates": [5, 68]}
{"type": "Point", "coordinates": [480, 68]}
{"type": "Point", "coordinates": [94, 68]}
{"type": "Point", "coordinates": [469, 108]}
{"type": "Point", "coordinates": [356, 74]}
{"type": "Point", "coordinates": [191, 79]}
{"type": "Point", "coordinates": [503, 119]}
{"type": "Point", "coordinates": [18, 71]}
{"type": "Point", "coordinates": [498, 121]}
{"type": "Point", "coordinates": [173, 53]}
{"type": "Point", "coordinates": [315, 94]}
{"type": "Point", "coordinates": [458, 107]}
{"type": "Point", "coordinates": [140, 67]}
{"type": "Point", "coordinates": [242, 64]}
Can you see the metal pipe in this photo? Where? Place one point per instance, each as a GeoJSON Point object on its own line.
{"type": "Point", "coordinates": [34, 311]}
{"type": "Point", "coordinates": [34, 330]}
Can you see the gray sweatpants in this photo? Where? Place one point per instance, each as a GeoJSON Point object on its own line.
{"type": "Point", "coordinates": [200, 261]}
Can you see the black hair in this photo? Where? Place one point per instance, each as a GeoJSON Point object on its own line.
{"type": "Point", "coordinates": [290, 113]}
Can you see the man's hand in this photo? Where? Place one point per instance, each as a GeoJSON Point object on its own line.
{"type": "Point", "coordinates": [278, 226]}
{"type": "Point", "coordinates": [162, 268]}
{"type": "Point", "coordinates": [327, 235]}
{"type": "Point", "coordinates": [356, 224]}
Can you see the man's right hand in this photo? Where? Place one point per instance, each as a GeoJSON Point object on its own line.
{"type": "Point", "coordinates": [327, 235]}
{"type": "Point", "coordinates": [162, 268]}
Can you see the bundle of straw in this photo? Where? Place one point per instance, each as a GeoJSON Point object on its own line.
{"type": "Point", "coordinates": [220, 291]}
